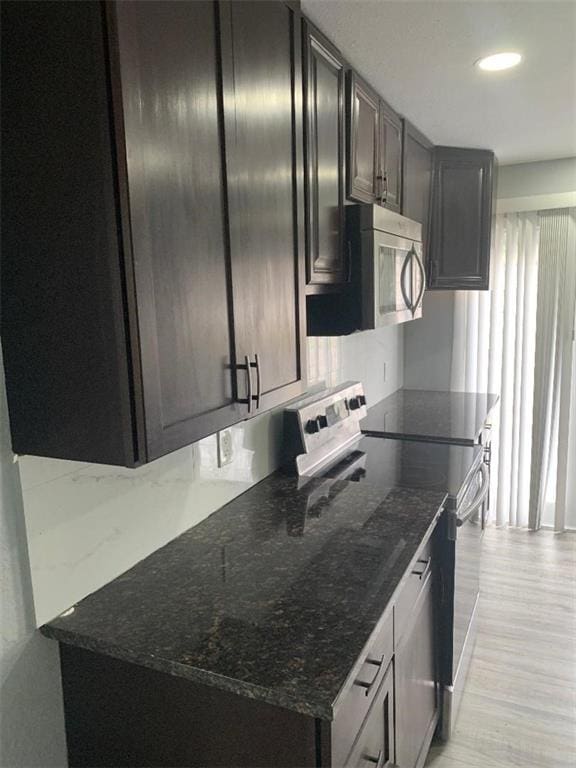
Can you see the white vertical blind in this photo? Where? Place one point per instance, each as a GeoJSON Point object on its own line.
{"type": "Point", "coordinates": [494, 345]}
{"type": "Point", "coordinates": [554, 351]}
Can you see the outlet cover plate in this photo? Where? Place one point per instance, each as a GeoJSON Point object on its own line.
{"type": "Point", "coordinates": [225, 447]}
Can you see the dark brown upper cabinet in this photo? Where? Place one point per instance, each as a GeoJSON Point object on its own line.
{"type": "Point", "coordinates": [390, 158]}
{"type": "Point", "coordinates": [153, 265]}
{"type": "Point", "coordinates": [417, 158]}
{"type": "Point", "coordinates": [262, 78]}
{"type": "Point", "coordinates": [417, 178]}
{"type": "Point", "coordinates": [363, 141]}
{"type": "Point", "coordinates": [324, 121]}
{"type": "Point", "coordinates": [461, 219]}
{"type": "Point", "coordinates": [374, 147]}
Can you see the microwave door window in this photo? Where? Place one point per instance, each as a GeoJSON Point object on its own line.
{"type": "Point", "coordinates": [388, 281]}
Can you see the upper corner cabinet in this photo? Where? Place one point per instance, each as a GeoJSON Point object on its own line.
{"type": "Point", "coordinates": [461, 219]}
{"type": "Point", "coordinates": [417, 161]}
{"type": "Point", "coordinates": [122, 340]}
{"type": "Point", "coordinates": [324, 124]}
{"type": "Point", "coordinates": [374, 147]}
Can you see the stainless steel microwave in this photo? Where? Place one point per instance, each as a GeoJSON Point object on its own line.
{"type": "Point", "coordinates": [385, 251]}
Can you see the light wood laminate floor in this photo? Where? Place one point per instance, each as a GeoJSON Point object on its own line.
{"type": "Point", "coordinates": [519, 705]}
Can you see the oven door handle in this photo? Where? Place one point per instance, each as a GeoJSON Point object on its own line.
{"type": "Point", "coordinates": [478, 499]}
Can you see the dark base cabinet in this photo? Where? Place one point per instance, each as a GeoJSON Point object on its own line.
{"type": "Point", "coordinates": [121, 714]}
{"type": "Point", "coordinates": [416, 690]}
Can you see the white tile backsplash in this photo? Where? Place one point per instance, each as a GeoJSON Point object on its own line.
{"type": "Point", "coordinates": [88, 523]}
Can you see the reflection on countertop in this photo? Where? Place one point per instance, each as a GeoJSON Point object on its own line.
{"type": "Point", "coordinates": [419, 414]}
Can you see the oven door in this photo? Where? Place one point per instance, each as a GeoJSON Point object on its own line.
{"type": "Point", "coordinates": [392, 277]}
{"type": "Point", "coordinates": [466, 530]}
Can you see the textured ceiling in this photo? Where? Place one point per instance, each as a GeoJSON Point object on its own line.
{"type": "Point", "coordinates": [420, 57]}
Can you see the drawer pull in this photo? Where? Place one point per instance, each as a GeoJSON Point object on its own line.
{"type": "Point", "coordinates": [368, 686]}
{"type": "Point", "coordinates": [422, 568]}
{"type": "Point", "coordinates": [375, 760]}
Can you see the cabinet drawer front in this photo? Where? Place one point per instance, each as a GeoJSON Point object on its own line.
{"type": "Point", "coordinates": [375, 743]}
{"type": "Point", "coordinates": [360, 695]}
{"type": "Point", "coordinates": [410, 591]}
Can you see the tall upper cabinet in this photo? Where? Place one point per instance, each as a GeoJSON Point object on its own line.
{"type": "Point", "coordinates": [461, 219]}
{"type": "Point", "coordinates": [262, 78]}
{"type": "Point", "coordinates": [153, 257]}
{"type": "Point", "coordinates": [324, 82]}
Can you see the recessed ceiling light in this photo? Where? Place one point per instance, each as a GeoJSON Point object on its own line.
{"type": "Point", "coordinates": [499, 61]}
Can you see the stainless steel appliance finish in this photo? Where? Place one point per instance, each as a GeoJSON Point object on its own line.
{"type": "Point", "coordinates": [466, 512]}
{"type": "Point", "coordinates": [388, 272]}
{"type": "Point", "coordinates": [321, 426]}
{"type": "Point", "coordinates": [461, 580]}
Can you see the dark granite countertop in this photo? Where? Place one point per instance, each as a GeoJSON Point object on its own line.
{"type": "Point", "coordinates": [273, 597]}
{"type": "Point", "coordinates": [420, 414]}
{"type": "Point", "coordinates": [416, 464]}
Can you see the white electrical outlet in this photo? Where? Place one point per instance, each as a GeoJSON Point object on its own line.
{"type": "Point", "coordinates": [225, 447]}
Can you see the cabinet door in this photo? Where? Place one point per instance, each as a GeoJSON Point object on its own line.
{"type": "Point", "coordinates": [390, 167]}
{"type": "Point", "coordinates": [262, 78]}
{"type": "Point", "coordinates": [417, 178]}
{"type": "Point", "coordinates": [416, 687]}
{"type": "Point", "coordinates": [325, 163]}
{"type": "Point", "coordinates": [459, 253]}
{"type": "Point", "coordinates": [175, 187]}
{"type": "Point", "coordinates": [375, 743]}
{"type": "Point", "coordinates": [363, 141]}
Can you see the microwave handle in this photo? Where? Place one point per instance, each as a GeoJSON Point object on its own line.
{"type": "Point", "coordinates": [422, 281]}
{"type": "Point", "coordinates": [407, 261]}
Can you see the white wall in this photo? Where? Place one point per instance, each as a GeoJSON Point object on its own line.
{"type": "Point", "coordinates": [537, 186]}
{"type": "Point", "coordinates": [88, 523]}
{"type": "Point", "coordinates": [546, 177]}
{"type": "Point", "coordinates": [31, 714]}
{"type": "Point", "coordinates": [428, 343]}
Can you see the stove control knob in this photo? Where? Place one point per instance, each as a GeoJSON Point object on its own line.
{"type": "Point", "coordinates": [354, 403]}
{"type": "Point", "coordinates": [312, 426]}
{"type": "Point", "coordinates": [322, 421]}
